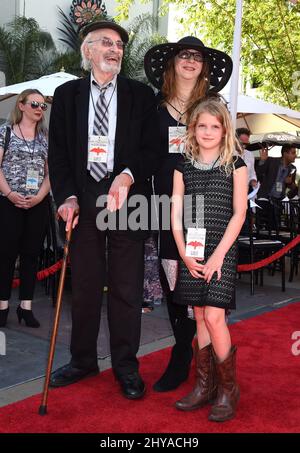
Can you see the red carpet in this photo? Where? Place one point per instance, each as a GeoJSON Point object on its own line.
{"type": "Point", "coordinates": [268, 373]}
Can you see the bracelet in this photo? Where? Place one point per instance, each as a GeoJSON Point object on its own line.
{"type": "Point", "coordinates": [8, 194]}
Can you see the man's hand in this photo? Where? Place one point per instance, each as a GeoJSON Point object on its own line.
{"type": "Point", "coordinates": [67, 211]}
{"type": "Point", "coordinates": [118, 192]}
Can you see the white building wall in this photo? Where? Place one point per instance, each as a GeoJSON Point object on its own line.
{"type": "Point", "coordinates": [46, 13]}
{"type": "Point", "coordinates": [8, 8]}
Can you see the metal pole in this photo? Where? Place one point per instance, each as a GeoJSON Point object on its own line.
{"type": "Point", "coordinates": [234, 88]}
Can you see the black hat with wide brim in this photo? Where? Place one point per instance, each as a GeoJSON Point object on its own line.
{"type": "Point", "coordinates": [220, 64]}
{"type": "Point", "coordinates": [98, 24]}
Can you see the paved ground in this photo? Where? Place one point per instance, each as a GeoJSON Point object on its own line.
{"type": "Point", "coordinates": [23, 367]}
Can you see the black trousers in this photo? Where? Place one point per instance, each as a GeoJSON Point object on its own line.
{"type": "Point", "coordinates": [120, 255]}
{"type": "Point", "coordinates": [21, 234]}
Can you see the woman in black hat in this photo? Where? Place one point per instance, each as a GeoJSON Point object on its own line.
{"type": "Point", "coordinates": [183, 72]}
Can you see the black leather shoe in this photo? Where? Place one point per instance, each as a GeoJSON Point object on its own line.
{"type": "Point", "coordinates": [68, 374]}
{"type": "Point", "coordinates": [132, 385]}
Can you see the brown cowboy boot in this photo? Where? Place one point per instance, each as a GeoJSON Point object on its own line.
{"type": "Point", "coordinates": [228, 390]}
{"type": "Point", "coordinates": [206, 386]}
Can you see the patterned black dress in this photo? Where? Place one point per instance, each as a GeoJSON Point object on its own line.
{"type": "Point", "coordinates": [217, 191]}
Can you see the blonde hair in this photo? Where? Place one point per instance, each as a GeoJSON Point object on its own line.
{"type": "Point", "coordinates": [169, 84]}
{"type": "Point", "coordinates": [16, 114]}
{"type": "Point", "coordinates": [229, 142]}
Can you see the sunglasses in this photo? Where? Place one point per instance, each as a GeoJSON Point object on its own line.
{"type": "Point", "coordinates": [35, 104]}
{"type": "Point", "coordinates": [107, 42]}
{"type": "Point", "coordinates": [187, 55]}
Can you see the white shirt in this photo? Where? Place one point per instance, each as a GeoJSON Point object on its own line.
{"type": "Point", "coordinates": [249, 160]}
{"type": "Point", "coordinates": [111, 102]}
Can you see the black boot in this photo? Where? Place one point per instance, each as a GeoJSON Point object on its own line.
{"type": "Point", "coordinates": [28, 317]}
{"type": "Point", "coordinates": [184, 330]}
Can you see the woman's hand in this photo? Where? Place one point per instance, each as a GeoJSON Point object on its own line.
{"type": "Point", "coordinates": [18, 200]}
{"type": "Point", "coordinates": [213, 264]}
{"type": "Point", "coordinates": [194, 266]}
{"type": "Point", "coordinates": [32, 200]}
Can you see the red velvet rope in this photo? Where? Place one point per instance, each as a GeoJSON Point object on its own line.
{"type": "Point", "coordinates": [269, 259]}
{"type": "Point", "coordinates": [43, 273]}
{"type": "Point", "coordinates": [241, 268]}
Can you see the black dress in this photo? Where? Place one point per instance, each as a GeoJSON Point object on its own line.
{"type": "Point", "coordinates": [163, 180]}
{"type": "Point", "coordinates": [217, 189]}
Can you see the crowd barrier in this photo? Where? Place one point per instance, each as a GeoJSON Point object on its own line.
{"type": "Point", "coordinates": [44, 273]}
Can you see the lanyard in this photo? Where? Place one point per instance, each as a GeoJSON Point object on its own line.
{"type": "Point", "coordinates": [27, 143]}
{"type": "Point", "coordinates": [181, 114]}
{"type": "Point", "coordinates": [107, 106]}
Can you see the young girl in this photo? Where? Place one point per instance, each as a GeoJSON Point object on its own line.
{"type": "Point", "coordinates": [216, 180]}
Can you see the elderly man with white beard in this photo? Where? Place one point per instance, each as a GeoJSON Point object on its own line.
{"type": "Point", "coordinates": [103, 141]}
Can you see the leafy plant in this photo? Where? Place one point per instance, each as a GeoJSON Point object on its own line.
{"type": "Point", "coordinates": [141, 39]}
{"type": "Point", "coordinates": [270, 51]}
{"type": "Point", "coordinates": [25, 50]}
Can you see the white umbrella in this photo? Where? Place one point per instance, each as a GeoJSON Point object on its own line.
{"type": "Point", "coordinates": [262, 117]}
{"type": "Point", "coordinates": [46, 84]}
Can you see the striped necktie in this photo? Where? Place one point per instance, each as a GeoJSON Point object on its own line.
{"type": "Point", "coordinates": [99, 170]}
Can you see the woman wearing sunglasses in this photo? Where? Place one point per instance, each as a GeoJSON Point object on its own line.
{"type": "Point", "coordinates": [24, 186]}
{"type": "Point", "coordinates": [183, 72]}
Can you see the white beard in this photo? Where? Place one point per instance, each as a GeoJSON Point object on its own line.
{"type": "Point", "coordinates": [114, 68]}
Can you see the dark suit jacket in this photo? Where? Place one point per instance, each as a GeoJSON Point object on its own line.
{"type": "Point", "coordinates": [136, 140]}
{"type": "Point", "coordinates": [267, 174]}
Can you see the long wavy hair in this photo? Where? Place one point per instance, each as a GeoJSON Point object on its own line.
{"type": "Point", "coordinates": [16, 114]}
{"type": "Point", "coordinates": [229, 142]}
{"type": "Point", "coordinates": [169, 87]}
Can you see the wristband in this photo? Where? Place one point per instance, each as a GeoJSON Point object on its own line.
{"type": "Point", "coordinates": [8, 194]}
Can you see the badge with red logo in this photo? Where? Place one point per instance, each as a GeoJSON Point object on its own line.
{"type": "Point", "coordinates": [98, 146]}
{"type": "Point", "coordinates": [177, 139]}
{"type": "Point", "coordinates": [195, 242]}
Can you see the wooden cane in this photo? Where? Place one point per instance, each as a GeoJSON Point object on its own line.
{"type": "Point", "coordinates": [43, 406]}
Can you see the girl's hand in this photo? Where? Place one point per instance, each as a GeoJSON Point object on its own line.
{"type": "Point", "coordinates": [213, 264]}
{"type": "Point", "coordinates": [17, 199]}
{"type": "Point", "coordinates": [194, 266]}
{"type": "Point", "coordinates": [32, 200]}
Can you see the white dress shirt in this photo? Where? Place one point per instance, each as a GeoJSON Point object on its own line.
{"type": "Point", "coordinates": [111, 102]}
{"type": "Point", "coordinates": [249, 160]}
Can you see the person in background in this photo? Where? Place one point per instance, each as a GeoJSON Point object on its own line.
{"type": "Point", "coordinates": [277, 174]}
{"type": "Point", "coordinates": [183, 72]}
{"type": "Point", "coordinates": [243, 135]}
{"type": "Point", "coordinates": [277, 177]}
{"type": "Point", "coordinates": [24, 186]}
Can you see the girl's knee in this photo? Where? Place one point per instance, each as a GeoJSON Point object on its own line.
{"type": "Point", "coordinates": [214, 317]}
{"type": "Point", "coordinates": [199, 314]}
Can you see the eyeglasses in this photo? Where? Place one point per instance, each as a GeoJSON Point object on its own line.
{"type": "Point", "coordinates": [107, 42]}
{"type": "Point", "coordinates": [187, 55]}
{"type": "Point", "coordinates": [35, 104]}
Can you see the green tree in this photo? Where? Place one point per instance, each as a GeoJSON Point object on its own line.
{"type": "Point", "coordinates": [26, 51]}
{"type": "Point", "coordinates": [270, 51]}
{"type": "Point", "coordinates": [141, 39]}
